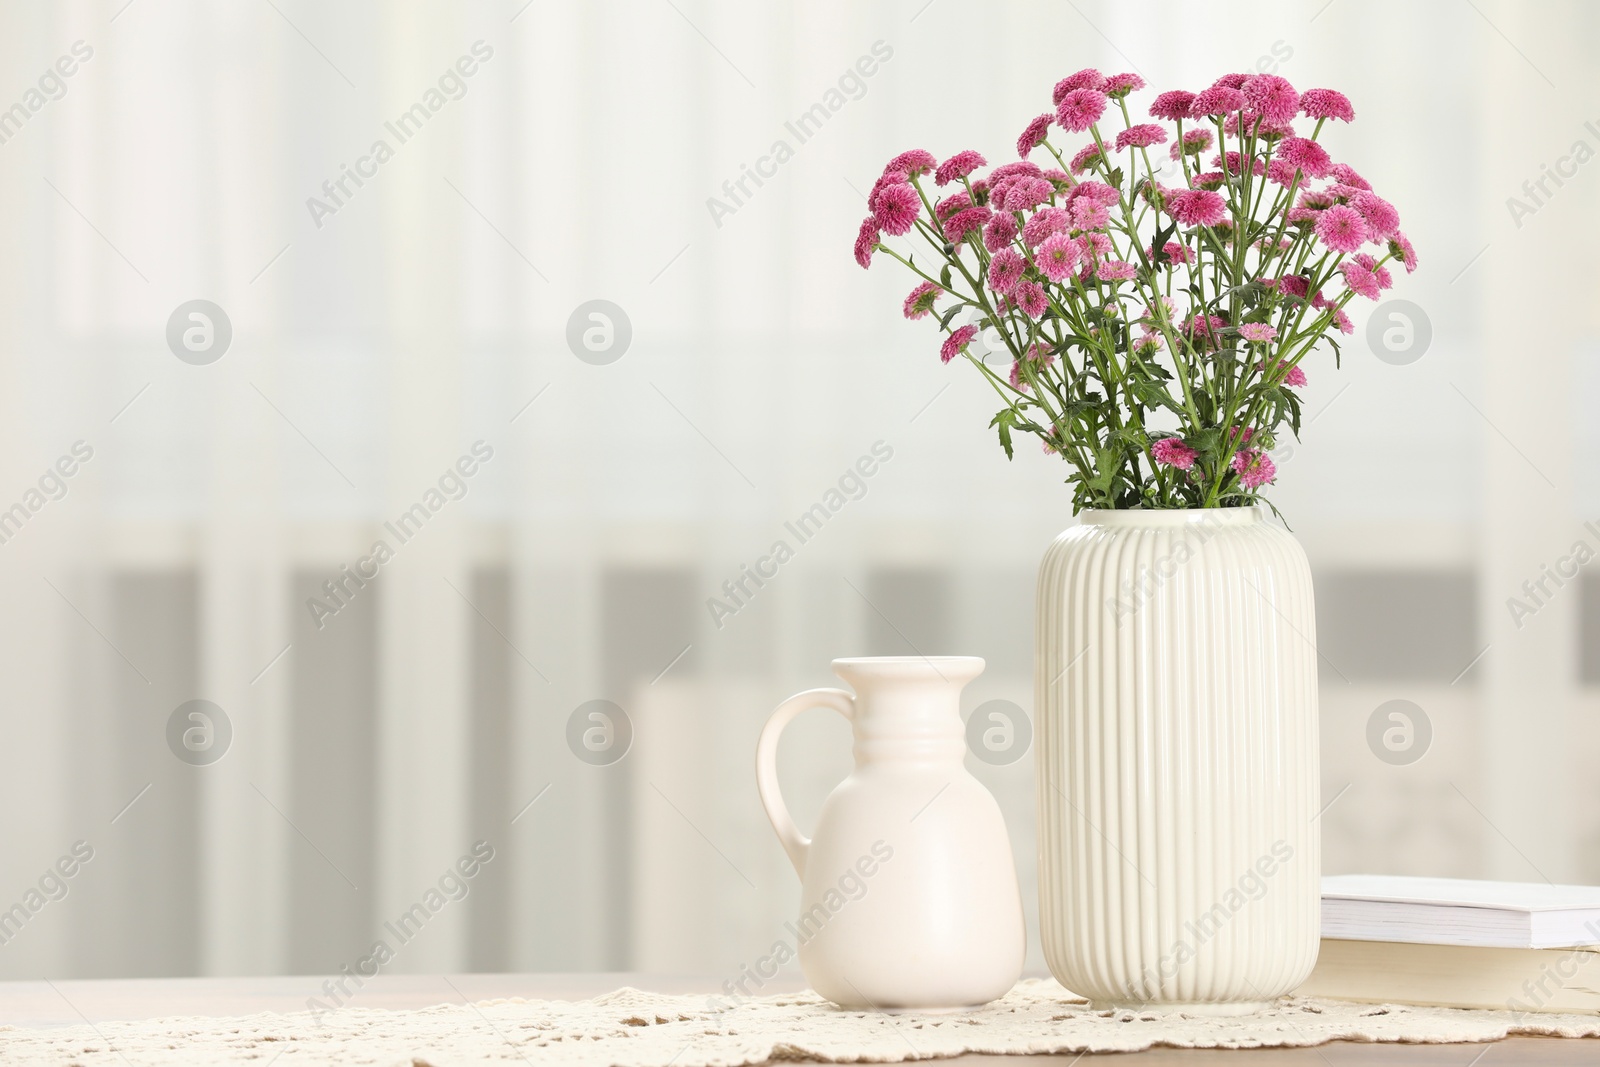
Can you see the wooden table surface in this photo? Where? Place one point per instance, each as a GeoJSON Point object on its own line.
{"type": "Point", "coordinates": [68, 1003]}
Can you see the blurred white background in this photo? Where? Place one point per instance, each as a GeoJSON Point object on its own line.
{"type": "Point", "coordinates": [372, 346]}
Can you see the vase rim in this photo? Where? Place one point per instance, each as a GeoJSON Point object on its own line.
{"type": "Point", "coordinates": [1170, 516]}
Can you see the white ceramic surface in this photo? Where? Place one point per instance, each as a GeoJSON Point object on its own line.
{"type": "Point", "coordinates": [909, 896]}
{"type": "Point", "coordinates": [1176, 719]}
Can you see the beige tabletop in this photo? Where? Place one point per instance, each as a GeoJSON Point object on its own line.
{"type": "Point", "coordinates": [68, 1003]}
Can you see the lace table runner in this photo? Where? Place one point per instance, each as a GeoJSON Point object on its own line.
{"type": "Point", "coordinates": [631, 1028]}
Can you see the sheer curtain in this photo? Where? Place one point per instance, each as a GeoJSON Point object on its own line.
{"type": "Point", "coordinates": [384, 329]}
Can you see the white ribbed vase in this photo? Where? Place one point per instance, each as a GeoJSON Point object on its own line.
{"type": "Point", "coordinates": [1176, 708]}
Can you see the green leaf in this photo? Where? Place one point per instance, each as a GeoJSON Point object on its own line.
{"type": "Point", "coordinates": [1131, 436]}
{"type": "Point", "coordinates": [949, 315]}
{"type": "Point", "coordinates": [1004, 422]}
{"type": "Point", "coordinates": [1154, 395]}
{"type": "Point", "coordinates": [1107, 465]}
{"type": "Point", "coordinates": [944, 276]}
{"type": "Point", "coordinates": [1159, 244]}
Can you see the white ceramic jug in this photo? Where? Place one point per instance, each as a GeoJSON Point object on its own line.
{"type": "Point", "coordinates": [909, 897]}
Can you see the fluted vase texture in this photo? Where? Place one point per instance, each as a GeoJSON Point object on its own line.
{"type": "Point", "coordinates": [1176, 706]}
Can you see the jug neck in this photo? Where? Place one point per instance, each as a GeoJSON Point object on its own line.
{"type": "Point", "coordinates": [908, 710]}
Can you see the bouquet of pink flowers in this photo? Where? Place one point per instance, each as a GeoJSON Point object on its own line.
{"type": "Point", "coordinates": [1155, 332]}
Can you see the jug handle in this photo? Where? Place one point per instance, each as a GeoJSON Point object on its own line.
{"type": "Point", "coordinates": [794, 843]}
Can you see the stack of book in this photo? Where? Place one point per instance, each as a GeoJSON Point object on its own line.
{"type": "Point", "coordinates": [1456, 943]}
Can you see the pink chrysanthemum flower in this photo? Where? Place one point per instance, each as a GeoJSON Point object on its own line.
{"type": "Point", "coordinates": [897, 210]}
{"type": "Point", "coordinates": [1217, 100]}
{"type": "Point", "coordinates": [1057, 257]}
{"type": "Point", "coordinates": [1087, 156]}
{"type": "Point", "coordinates": [1259, 332]}
{"type": "Point", "coordinates": [1080, 109]}
{"type": "Point", "coordinates": [1005, 270]}
{"type": "Point", "coordinates": [1099, 192]}
{"type": "Point", "coordinates": [1345, 174]}
{"type": "Point", "coordinates": [1154, 193]}
{"type": "Point", "coordinates": [957, 343]}
{"type": "Point", "coordinates": [866, 241]}
{"type": "Point", "coordinates": [1211, 179]}
{"type": "Point", "coordinates": [1018, 168]}
{"type": "Point", "coordinates": [1194, 142]}
{"type": "Point", "coordinates": [1256, 125]}
{"type": "Point", "coordinates": [1058, 178]}
{"type": "Point", "coordinates": [1028, 193]}
{"type": "Point", "coordinates": [1327, 104]}
{"type": "Point", "coordinates": [1094, 245]}
{"type": "Point", "coordinates": [1088, 78]}
{"type": "Point", "coordinates": [1119, 85]}
{"type": "Point", "coordinates": [958, 166]}
{"type": "Point", "coordinates": [893, 177]}
{"type": "Point", "coordinates": [1115, 270]}
{"type": "Point", "coordinates": [1296, 285]}
{"type": "Point", "coordinates": [1306, 154]}
{"type": "Point", "coordinates": [1202, 330]}
{"type": "Point", "coordinates": [965, 222]}
{"type": "Point", "coordinates": [1089, 215]}
{"type": "Point", "coordinates": [1280, 172]}
{"type": "Point", "coordinates": [1342, 321]}
{"type": "Point", "coordinates": [921, 300]}
{"type": "Point", "coordinates": [1272, 97]}
{"type": "Point", "coordinates": [1317, 199]}
{"type": "Point", "coordinates": [1342, 228]}
{"type": "Point", "coordinates": [1380, 216]}
{"type": "Point", "coordinates": [1000, 232]}
{"type": "Point", "coordinates": [917, 161]}
{"type": "Point", "coordinates": [1360, 279]}
{"type": "Point", "coordinates": [1255, 468]}
{"type": "Point", "coordinates": [1148, 344]}
{"type": "Point", "coordinates": [1042, 224]}
{"type": "Point", "coordinates": [1039, 352]}
{"type": "Point", "coordinates": [950, 205]}
{"type": "Point", "coordinates": [1233, 162]}
{"type": "Point", "coordinates": [1141, 136]}
{"type": "Point", "coordinates": [1171, 105]}
{"type": "Point", "coordinates": [1031, 299]}
{"type": "Point", "coordinates": [1230, 81]}
{"type": "Point", "coordinates": [1400, 248]}
{"type": "Point", "coordinates": [1172, 452]}
{"type": "Point", "coordinates": [1296, 377]}
{"type": "Point", "coordinates": [1366, 262]}
{"type": "Point", "coordinates": [1197, 207]}
{"type": "Point", "coordinates": [1034, 133]}
{"type": "Point", "coordinates": [1018, 382]}
{"type": "Point", "coordinates": [1172, 250]}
